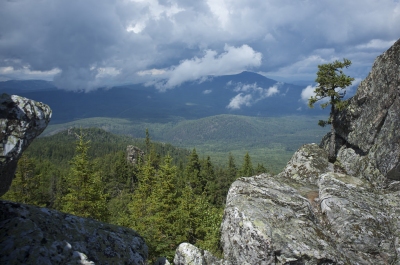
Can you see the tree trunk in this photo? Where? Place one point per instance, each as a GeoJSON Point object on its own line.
{"type": "Point", "coordinates": [332, 143]}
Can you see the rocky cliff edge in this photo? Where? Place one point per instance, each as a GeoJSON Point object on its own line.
{"type": "Point", "coordinates": [316, 212]}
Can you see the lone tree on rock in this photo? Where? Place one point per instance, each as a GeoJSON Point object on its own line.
{"type": "Point", "coordinates": [332, 84]}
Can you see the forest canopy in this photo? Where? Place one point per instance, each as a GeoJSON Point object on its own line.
{"type": "Point", "coordinates": [169, 196]}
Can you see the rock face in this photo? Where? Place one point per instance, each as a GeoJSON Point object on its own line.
{"type": "Point", "coordinates": [287, 219]}
{"type": "Point", "coordinates": [316, 212]}
{"type": "Point", "coordinates": [33, 235]}
{"type": "Point", "coordinates": [21, 120]}
{"type": "Point", "coordinates": [134, 154]}
{"type": "Point", "coordinates": [187, 254]}
{"type": "Point", "coordinates": [370, 125]}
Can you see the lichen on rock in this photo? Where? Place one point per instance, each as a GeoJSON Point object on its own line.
{"type": "Point", "coordinates": [21, 121]}
{"type": "Point", "coordinates": [187, 254]}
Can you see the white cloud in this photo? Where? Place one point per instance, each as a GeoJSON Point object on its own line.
{"type": "Point", "coordinates": [107, 72]}
{"type": "Point", "coordinates": [240, 100]}
{"type": "Point", "coordinates": [376, 44]}
{"type": "Point", "coordinates": [307, 93]}
{"type": "Point", "coordinates": [153, 11]}
{"type": "Point", "coordinates": [151, 72]}
{"type": "Point", "coordinates": [208, 91]}
{"type": "Point", "coordinates": [250, 94]}
{"type": "Point", "coordinates": [26, 72]}
{"type": "Point", "coordinates": [233, 60]}
{"type": "Point", "coordinates": [220, 9]}
{"type": "Point", "coordinates": [271, 91]}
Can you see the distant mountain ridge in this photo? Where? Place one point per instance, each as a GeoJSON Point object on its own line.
{"type": "Point", "coordinates": [247, 93]}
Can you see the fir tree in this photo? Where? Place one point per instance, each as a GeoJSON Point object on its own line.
{"type": "Point", "coordinates": [84, 193]}
{"type": "Point", "coordinates": [24, 184]}
{"type": "Point", "coordinates": [260, 169]}
{"type": "Point", "coordinates": [192, 173]}
{"type": "Point", "coordinates": [247, 167]}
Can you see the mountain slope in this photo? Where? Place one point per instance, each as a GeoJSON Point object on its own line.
{"type": "Point", "coordinates": [247, 93]}
{"type": "Point", "coordinates": [269, 140]}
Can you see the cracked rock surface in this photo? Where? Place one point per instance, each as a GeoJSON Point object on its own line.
{"type": "Point", "coordinates": [34, 235]}
{"type": "Point", "coordinates": [370, 125]}
{"type": "Point", "coordinates": [286, 219]}
{"type": "Point", "coordinates": [21, 121]}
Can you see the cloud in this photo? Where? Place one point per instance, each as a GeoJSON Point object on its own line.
{"type": "Point", "coordinates": [239, 100]}
{"type": "Point", "coordinates": [233, 60]}
{"type": "Point", "coordinates": [307, 93]}
{"type": "Point", "coordinates": [9, 72]}
{"type": "Point", "coordinates": [271, 91]}
{"type": "Point", "coordinates": [125, 40]}
{"type": "Point", "coordinates": [250, 94]}
{"type": "Point", "coordinates": [376, 44]}
{"type": "Point", "coordinates": [208, 91]}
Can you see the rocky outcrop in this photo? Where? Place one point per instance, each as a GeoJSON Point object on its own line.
{"type": "Point", "coordinates": [33, 235]}
{"type": "Point", "coordinates": [369, 126]}
{"type": "Point", "coordinates": [21, 120]}
{"type": "Point", "coordinates": [187, 254]}
{"type": "Point", "coordinates": [134, 154]}
{"type": "Point", "coordinates": [316, 212]}
{"type": "Point", "coordinates": [287, 219]}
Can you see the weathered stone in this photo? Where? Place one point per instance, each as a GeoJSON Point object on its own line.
{"type": "Point", "coordinates": [341, 219]}
{"type": "Point", "coordinates": [371, 122]}
{"type": "Point", "coordinates": [134, 154]}
{"type": "Point", "coordinates": [359, 166]}
{"type": "Point", "coordinates": [21, 120]}
{"type": "Point", "coordinates": [266, 221]}
{"type": "Point", "coordinates": [307, 164]}
{"type": "Point", "coordinates": [33, 235]}
{"type": "Point", "coordinates": [187, 254]}
{"type": "Point", "coordinates": [364, 222]}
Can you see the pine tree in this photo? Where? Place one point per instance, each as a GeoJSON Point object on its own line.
{"type": "Point", "coordinates": [260, 169]}
{"type": "Point", "coordinates": [186, 216]}
{"type": "Point", "coordinates": [232, 169]}
{"type": "Point", "coordinates": [153, 208]}
{"type": "Point", "coordinates": [192, 173]}
{"type": "Point", "coordinates": [24, 184]}
{"type": "Point", "coordinates": [209, 180]}
{"type": "Point", "coordinates": [247, 167]}
{"type": "Point", "coordinates": [331, 83]}
{"type": "Point", "coordinates": [164, 203]}
{"type": "Point", "coordinates": [84, 193]}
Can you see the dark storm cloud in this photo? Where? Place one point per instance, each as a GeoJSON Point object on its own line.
{"type": "Point", "coordinates": [92, 43]}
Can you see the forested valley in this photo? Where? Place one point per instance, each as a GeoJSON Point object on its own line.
{"type": "Point", "coordinates": [170, 195]}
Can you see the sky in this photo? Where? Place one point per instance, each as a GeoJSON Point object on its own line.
{"type": "Point", "coordinates": [83, 45]}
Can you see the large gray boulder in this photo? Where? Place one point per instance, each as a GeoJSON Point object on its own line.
{"type": "Point", "coordinates": [33, 235]}
{"type": "Point", "coordinates": [286, 219]}
{"type": "Point", "coordinates": [21, 121]}
{"type": "Point", "coordinates": [370, 125]}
